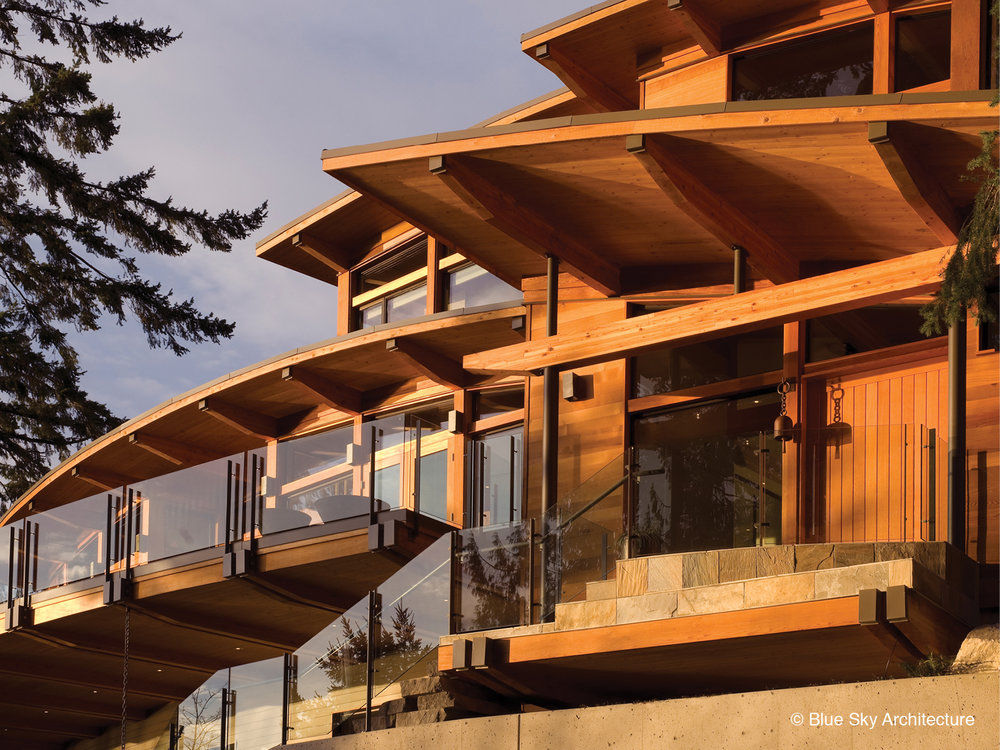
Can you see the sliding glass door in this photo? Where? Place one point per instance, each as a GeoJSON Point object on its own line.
{"type": "Point", "coordinates": [707, 477]}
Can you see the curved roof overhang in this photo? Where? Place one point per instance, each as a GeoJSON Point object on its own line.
{"type": "Point", "coordinates": [338, 233]}
{"type": "Point", "coordinates": [622, 198]}
{"type": "Point", "coordinates": [603, 51]}
{"type": "Point", "coordinates": [327, 382]}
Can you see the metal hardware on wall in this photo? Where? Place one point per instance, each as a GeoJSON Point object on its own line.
{"type": "Point", "coordinates": [739, 269]}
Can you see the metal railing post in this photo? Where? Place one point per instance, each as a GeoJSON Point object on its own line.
{"type": "Point", "coordinates": [372, 515]}
{"type": "Point", "coordinates": [531, 571]}
{"type": "Point", "coordinates": [374, 615]}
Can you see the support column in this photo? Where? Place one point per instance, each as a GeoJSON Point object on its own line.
{"type": "Point", "coordinates": [739, 269]}
{"type": "Point", "coordinates": [550, 422]}
{"type": "Point", "coordinates": [956, 432]}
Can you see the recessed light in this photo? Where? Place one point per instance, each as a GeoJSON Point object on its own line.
{"type": "Point", "coordinates": [95, 692]}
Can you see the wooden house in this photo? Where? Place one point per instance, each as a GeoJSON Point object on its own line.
{"type": "Point", "coordinates": [627, 400]}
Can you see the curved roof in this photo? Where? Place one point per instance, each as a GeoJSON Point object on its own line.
{"type": "Point", "coordinates": [268, 405]}
{"type": "Point", "coordinates": [709, 177]}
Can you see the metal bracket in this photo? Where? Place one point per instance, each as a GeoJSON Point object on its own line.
{"type": "Point", "coordinates": [118, 587]}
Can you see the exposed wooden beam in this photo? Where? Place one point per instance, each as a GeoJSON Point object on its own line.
{"type": "Point", "coordinates": [177, 453]}
{"type": "Point", "coordinates": [878, 6]}
{"type": "Point", "coordinates": [918, 188]}
{"type": "Point", "coordinates": [323, 251]}
{"type": "Point", "coordinates": [809, 298]}
{"type": "Point", "coordinates": [702, 28]}
{"type": "Point", "coordinates": [588, 87]}
{"type": "Point", "coordinates": [704, 206]}
{"type": "Point", "coordinates": [96, 712]}
{"type": "Point", "coordinates": [239, 418]}
{"type": "Point", "coordinates": [464, 177]}
{"type": "Point", "coordinates": [334, 395]}
{"type": "Point", "coordinates": [424, 223]}
{"type": "Point", "coordinates": [429, 363]}
{"type": "Point", "coordinates": [100, 478]}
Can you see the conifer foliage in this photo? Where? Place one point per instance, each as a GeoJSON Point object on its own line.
{"type": "Point", "coordinates": [68, 243]}
{"type": "Point", "coordinates": [972, 269]}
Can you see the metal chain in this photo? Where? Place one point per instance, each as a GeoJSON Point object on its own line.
{"type": "Point", "coordinates": [837, 396]}
{"type": "Point", "coordinates": [783, 389]}
{"type": "Point", "coordinates": [128, 635]}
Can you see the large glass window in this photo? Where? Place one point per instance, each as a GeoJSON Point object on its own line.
{"type": "Point", "coordinates": [862, 331]}
{"type": "Point", "coordinates": [708, 477]}
{"type": "Point", "coordinates": [706, 362]}
{"type": "Point", "coordinates": [494, 402]}
{"type": "Point", "coordinates": [923, 49]}
{"type": "Point", "coordinates": [471, 286]}
{"type": "Point", "coordinates": [835, 63]}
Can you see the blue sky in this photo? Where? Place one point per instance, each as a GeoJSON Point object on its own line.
{"type": "Point", "coordinates": [239, 110]}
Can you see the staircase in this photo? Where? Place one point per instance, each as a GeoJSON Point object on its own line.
{"type": "Point", "coordinates": [696, 583]}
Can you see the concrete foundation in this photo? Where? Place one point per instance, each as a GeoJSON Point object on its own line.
{"type": "Point", "coordinates": [826, 716]}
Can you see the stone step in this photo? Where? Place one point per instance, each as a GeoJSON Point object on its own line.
{"type": "Point", "coordinates": [826, 583]}
{"type": "Point", "coordinates": [673, 572]}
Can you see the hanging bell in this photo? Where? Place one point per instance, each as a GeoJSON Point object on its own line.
{"type": "Point", "coordinates": [783, 428]}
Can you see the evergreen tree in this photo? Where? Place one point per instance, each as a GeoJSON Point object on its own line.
{"type": "Point", "coordinates": [68, 243]}
{"type": "Point", "coordinates": [972, 268]}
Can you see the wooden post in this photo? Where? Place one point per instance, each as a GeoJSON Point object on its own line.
{"type": "Point", "coordinates": [792, 463]}
{"type": "Point", "coordinates": [435, 289]}
{"type": "Point", "coordinates": [457, 463]}
{"type": "Point", "coordinates": [345, 312]}
{"type": "Point", "coordinates": [885, 54]}
{"type": "Point", "coordinates": [966, 44]}
{"type": "Point", "coordinates": [956, 433]}
{"type": "Point", "coordinates": [739, 269]}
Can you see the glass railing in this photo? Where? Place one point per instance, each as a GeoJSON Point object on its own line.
{"type": "Point", "coordinates": [493, 577]}
{"type": "Point", "coordinates": [396, 462]}
{"type": "Point", "coordinates": [330, 677]}
{"type": "Point", "coordinates": [254, 706]}
{"type": "Point", "coordinates": [876, 483]}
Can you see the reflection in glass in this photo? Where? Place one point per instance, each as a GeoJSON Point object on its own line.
{"type": "Point", "coordinates": [834, 63]}
{"type": "Point", "coordinates": [700, 483]}
{"type": "Point", "coordinates": [493, 402]}
{"type": "Point", "coordinates": [471, 286]}
{"type": "Point", "coordinates": [255, 695]}
{"type": "Point", "coordinates": [200, 714]}
{"type": "Point", "coordinates": [862, 331]}
{"type": "Point", "coordinates": [668, 370]}
{"type": "Point", "coordinates": [409, 304]}
{"type": "Point", "coordinates": [70, 542]}
{"type": "Point", "coordinates": [923, 50]}
{"type": "Point", "coordinates": [184, 510]}
{"type": "Point", "coordinates": [491, 578]}
{"type": "Point", "coordinates": [495, 493]}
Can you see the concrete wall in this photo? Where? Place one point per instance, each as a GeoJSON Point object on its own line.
{"type": "Point", "coordinates": [747, 721]}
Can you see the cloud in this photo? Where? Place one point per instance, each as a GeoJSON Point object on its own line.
{"type": "Point", "coordinates": [238, 111]}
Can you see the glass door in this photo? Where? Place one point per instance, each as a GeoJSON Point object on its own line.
{"type": "Point", "coordinates": [494, 495]}
{"type": "Point", "coordinates": [707, 477]}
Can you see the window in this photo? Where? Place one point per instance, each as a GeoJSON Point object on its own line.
{"type": "Point", "coordinates": [403, 275]}
{"type": "Point", "coordinates": [836, 63]}
{"type": "Point", "coordinates": [923, 50]}
{"type": "Point", "coordinates": [471, 286]}
{"type": "Point", "coordinates": [706, 362]}
{"type": "Point", "coordinates": [493, 403]}
{"type": "Point", "coordinates": [862, 331]}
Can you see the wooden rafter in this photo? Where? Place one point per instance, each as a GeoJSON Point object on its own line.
{"type": "Point", "coordinates": [424, 224]}
{"type": "Point", "coordinates": [878, 6]}
{"type": "Point", "coordinates": [523, 224]}
{"type": "Point", "coordinates": [336, 396]}
{"type": "Point", "coordinates": [429, 363]}
{"type": "Point", "coordinates": [820, 295]}
{"type": "Point", "coordinates": [177, 453]}
{"type": "Point", "coordinates": [919, 189]}
{"type": "Point", "coordinates": [321, 250]}
{"type": "Point", "coordinates": [240, 418]}
{"type": "Point", "coordinates": [702, 28]}
{"type": "Point", "coordinates": [100, 478]}
{"type": "Point", "coordinates": [587, 87]}
{"type": "Point", "coordinates": [704, 206]}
